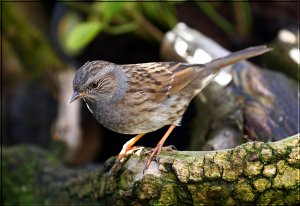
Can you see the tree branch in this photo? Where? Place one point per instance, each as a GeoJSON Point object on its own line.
{"type": "Point", "coordinates": [255, 172]}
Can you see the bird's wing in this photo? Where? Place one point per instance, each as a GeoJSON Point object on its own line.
{"type": "Point", "coordinates": [161, 79]}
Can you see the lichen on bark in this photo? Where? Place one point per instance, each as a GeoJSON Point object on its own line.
{"type": "Point", "coordinates": [242, 175]}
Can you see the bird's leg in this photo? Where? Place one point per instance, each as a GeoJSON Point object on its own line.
{"type": "Point", "coordinates": [126, 148]}
{"type": "Point", "coordinates": [159, 145]}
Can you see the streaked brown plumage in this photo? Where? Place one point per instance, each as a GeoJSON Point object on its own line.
{"type": "Point", "coordinates": [141, 98]}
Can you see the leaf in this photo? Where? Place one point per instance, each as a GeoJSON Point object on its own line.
{"type": "Point", "coordinates": [162, 13]}
{"type": "Point", "coordinates": [110, 10]}
{"type": "Point", "coordinates": [217, 18]}
{"type": "Point", "coordinates": [81, 35]}
{"type": "Point", "coordinates": [123, 28]}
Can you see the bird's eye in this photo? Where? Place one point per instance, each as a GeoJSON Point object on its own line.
{"type": "Point", "coordinates": [94, 85]}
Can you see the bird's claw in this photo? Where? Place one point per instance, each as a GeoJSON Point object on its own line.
{"type": "Point", "coordinates": [169, 148]}
{"type": "Point", "coordinates": [154, 154]}
{"type": "Point", "coordinates": [122, 155]}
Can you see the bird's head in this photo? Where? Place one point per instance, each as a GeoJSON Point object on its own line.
{"type": "Point", "coordinates": [98, 82]}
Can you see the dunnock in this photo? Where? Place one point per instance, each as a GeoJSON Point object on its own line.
{"type": "Point", "coordinates": [141, 98]}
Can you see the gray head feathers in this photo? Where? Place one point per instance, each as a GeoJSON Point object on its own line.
{"type": "Point", "coordinates": [107, 75]}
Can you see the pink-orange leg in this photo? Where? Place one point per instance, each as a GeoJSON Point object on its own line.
{"type": "Point", "coordinates": [159, 145]}
{"type": "Point", "coordinates": [127, 147]}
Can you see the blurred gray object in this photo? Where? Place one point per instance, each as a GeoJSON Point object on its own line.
{"type": "Point", "coordinates": [286, 55]}
{"type": "Point", "coordinates": [189, 45]}
{"type": "Point", "coordinates": [186, 44]}
{"type": "Point", "coordinates": [29, 121]}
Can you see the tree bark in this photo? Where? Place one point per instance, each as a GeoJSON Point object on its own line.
{"type": "Point", "coordinates": [253, 173]}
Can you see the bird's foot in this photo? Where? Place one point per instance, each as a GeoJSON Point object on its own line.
{"type": "Point", "coordinates": [155, 152]}
{"type": "Point", "coordinates": [169, 148]}
{"type": "Point", "coordinates": [125, 152]}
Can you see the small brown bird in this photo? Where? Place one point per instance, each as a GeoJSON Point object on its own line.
{"type": "Point", "coordinates": [141, 98]}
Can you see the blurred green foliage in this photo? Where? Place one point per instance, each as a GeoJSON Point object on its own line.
{"type": "Point", "coordinates": [146, 19]}
{"type": "Point", "coordinates": [82, 34]}
{"type": "Point", "coordinates": [27, 42]}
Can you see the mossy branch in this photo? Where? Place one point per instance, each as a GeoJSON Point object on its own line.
{"type": "Point", "coordinates": [253, 173]}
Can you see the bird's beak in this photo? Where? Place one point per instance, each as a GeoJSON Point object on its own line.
{"type": "Point", "coordinates": [75, 95]}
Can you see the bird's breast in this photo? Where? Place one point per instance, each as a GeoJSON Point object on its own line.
{"type": "Point", "coordinates": [140, 117]}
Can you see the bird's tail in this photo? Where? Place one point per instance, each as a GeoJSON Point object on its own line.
{"type": "Point", "coordinates": [235, 57]}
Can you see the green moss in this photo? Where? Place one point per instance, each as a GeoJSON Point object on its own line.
{"type": "Point", "coordinates": [288, 178]}
{"type": "Point", "coordinates": [125, 180]}
{"type": "Point", "coordinates": [269, 170]}
{"type": "Point", "coordinates": [81, 190]}
{"type": "Point", "coordinates": [221, 157]}
{"type": "Point", "coordinates": [237, 157]}
{"type": "Point", "coordinates": [181, 169]}
{"type": "Point", "coordinates": [253, 147]}
{"type": "Point", "coordinates": [182, 194]}
{"type": "Point", "coordinates": [18, 176]}
{"type": "Point", "coordinates": [58, 149]}
{"type": "Point", "coordinates": [293, 197]}
{"type": "Point", "coordinates": [261, 184]}
{"type": "Point", "coordinates": [271, 197]}
{"type": "Point", "coordinates": [230, 201]}
{"type": "Point", "coordinates": [243, 191]}
{"type": "Point", "coordinates": [294, 157]}
{"type": "Point", "coordinates": [199, 193]}
{"type": "Point", "coordinates": [148, 188]}
{"type": "Point", "coordinates": [210, 193]}
{"type": "Point", "coordinates": [219, 191]}
{"type": "Point", "coordinates": [196, 169]}
{"type": "Point", "coordinates": [280, 150]}
{"type": "Point", "coordinates": [110, 184]}
{"type": "Point", "coordinates": [231, 171]}
{"type": "Point", "coordinates": [266, 153]}
{"type": "Point", "coordinates": [281, 166]}
{"type": "Point", "coordinates": [233, 168]}
{"type": "Point", "coordinates": [167, 196]}
{"type": "Point", "coordinates": [253, 168]}
{"type": "Point", "coordinates": [211, 169]}
{"type": "Point", "coordinates": [240, 153]}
